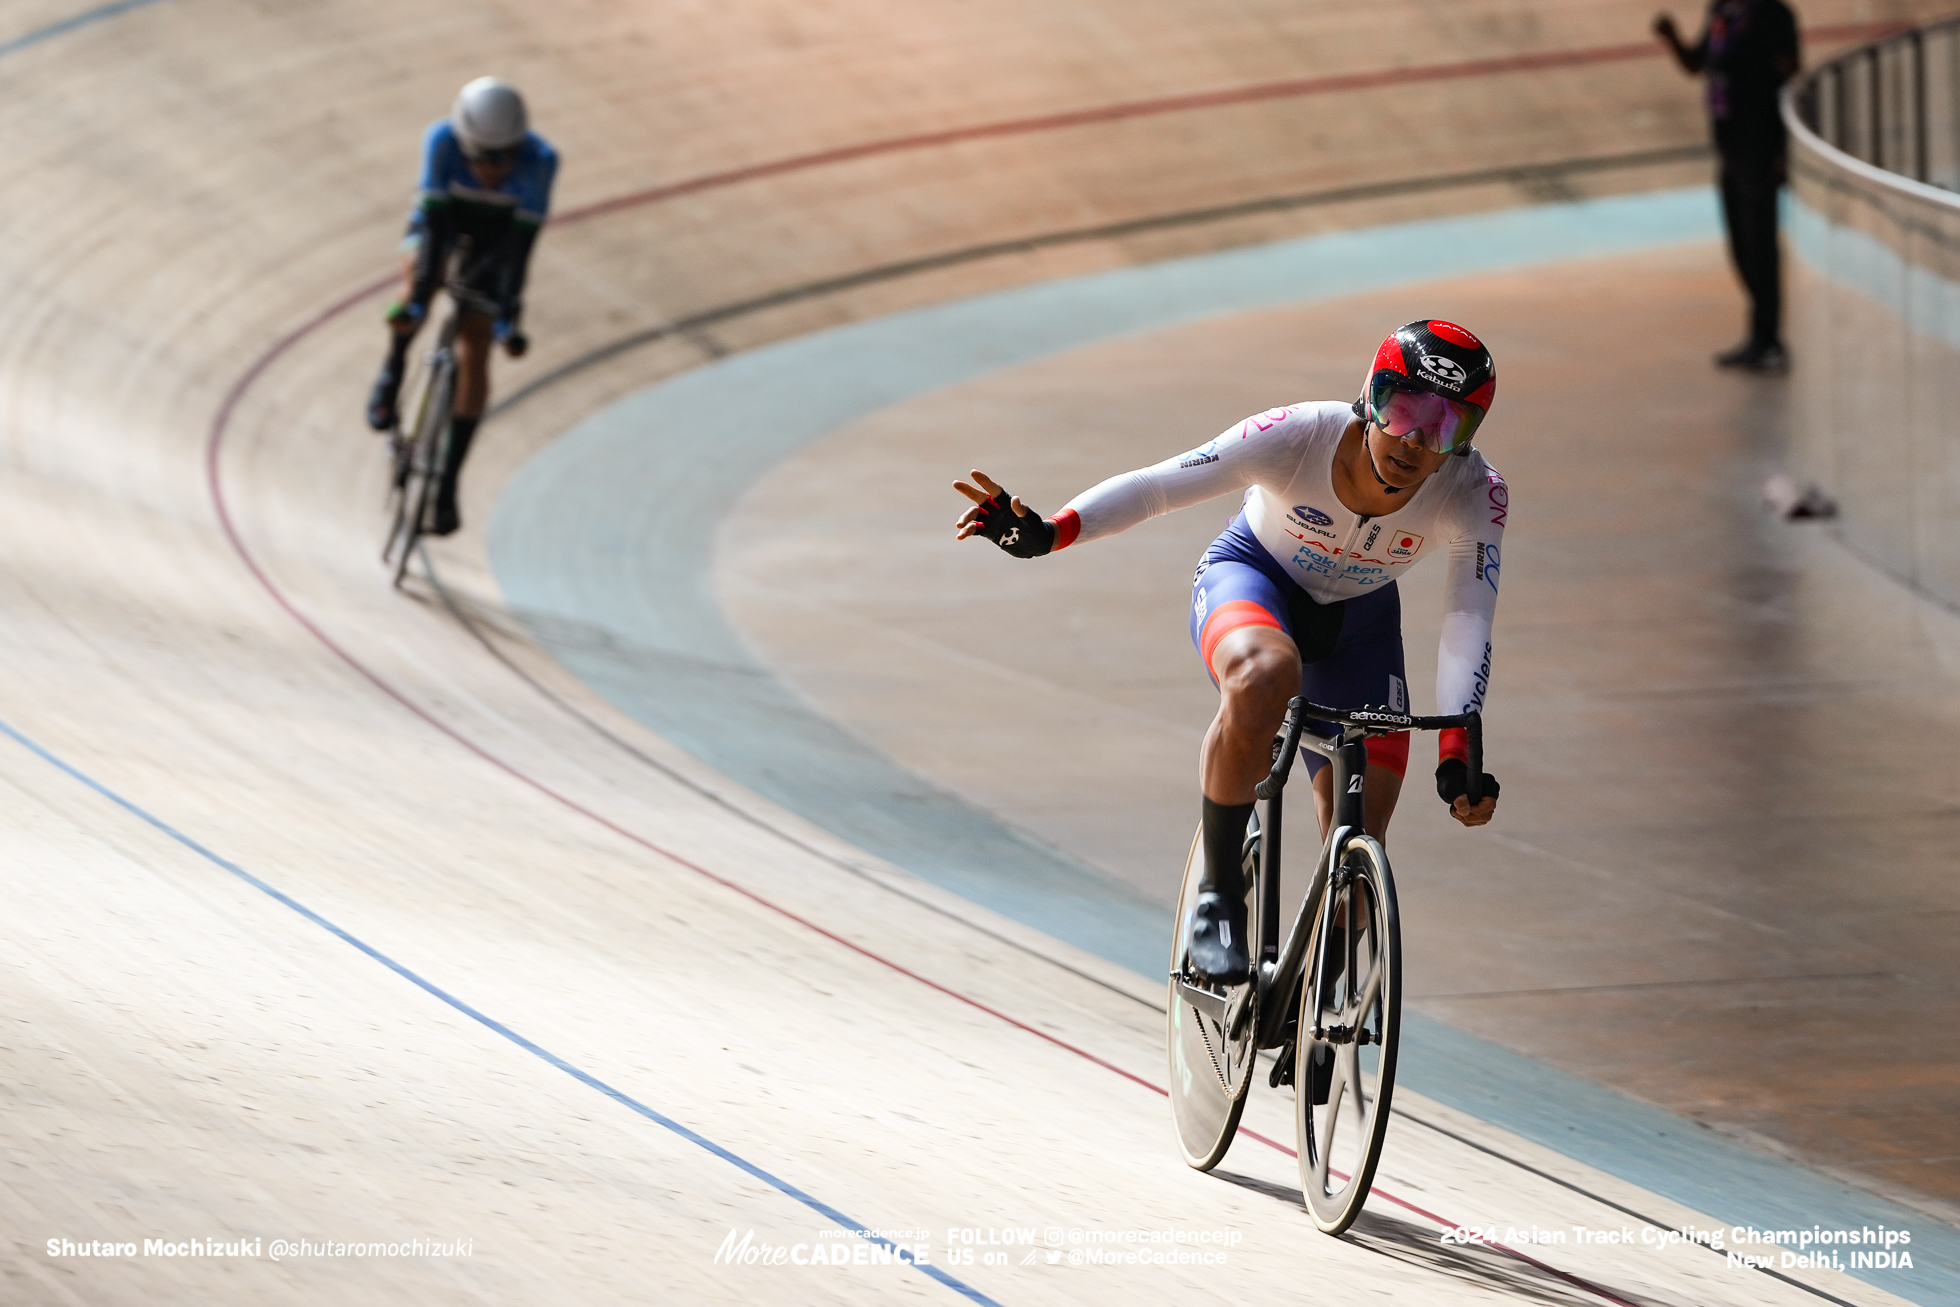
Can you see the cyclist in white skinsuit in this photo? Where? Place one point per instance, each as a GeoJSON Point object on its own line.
{"type": "Point", "coordinates": [1298, 595]}
{"type": "Point", "coordinates": [1286, 457]}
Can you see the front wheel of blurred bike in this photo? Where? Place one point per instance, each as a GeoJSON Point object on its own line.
{"type": "Point", "coordinates": [418, 465]}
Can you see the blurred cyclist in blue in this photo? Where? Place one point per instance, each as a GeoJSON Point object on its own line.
{"type": "Point", "coordinates": [1747, 50]}
{"type": "Point", "coordinates": [486, 187]}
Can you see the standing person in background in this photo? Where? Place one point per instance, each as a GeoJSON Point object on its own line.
{"type": "Point", "coordinates": [1748, 50]}
{"type": "Point", "coordinates": [486, 186]}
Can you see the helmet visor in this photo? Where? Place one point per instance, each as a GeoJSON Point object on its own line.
{"type": "Point", "coordinates": [1437, 424]}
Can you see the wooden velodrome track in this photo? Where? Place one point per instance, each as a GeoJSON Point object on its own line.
{"type": "Point", "coordinates": [322, 925]}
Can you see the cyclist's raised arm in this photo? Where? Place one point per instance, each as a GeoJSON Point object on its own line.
{"type": "Point", "coordinates": [1265, 449]}
{"type": "Point", "coordinates": [1463, 658]}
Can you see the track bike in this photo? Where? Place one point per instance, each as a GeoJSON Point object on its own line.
{"type": "Point", "coordinates": [1329, 999]}
{"type": "Point", "coordinates": [419, 452]}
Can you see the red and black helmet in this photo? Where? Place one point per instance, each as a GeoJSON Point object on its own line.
{"type": "Point", "coordinates": [1430, 357]}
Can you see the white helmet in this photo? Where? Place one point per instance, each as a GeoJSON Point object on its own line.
{"type": "Point", "coordinates": [489, 115]}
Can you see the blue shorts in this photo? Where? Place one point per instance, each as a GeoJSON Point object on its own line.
{"type": "Point", "coordinates": [1350, 651]}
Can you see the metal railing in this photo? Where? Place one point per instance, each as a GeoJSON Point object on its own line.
{"type": "Point", "coordinates": [1875, 298]}
{"type": "Point", "coordinates": [1894, 104]}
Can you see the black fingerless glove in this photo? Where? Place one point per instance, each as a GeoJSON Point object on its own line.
{"type": "Point", "coordinates": [1024, 537]}
{"type": "Point", "coordinates": [1453, 781]}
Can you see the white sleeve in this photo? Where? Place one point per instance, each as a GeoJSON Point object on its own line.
{"type": "Point", "coordinates": [1262, 450]}
{"type": "Point", "coordinates": [1470, 595]}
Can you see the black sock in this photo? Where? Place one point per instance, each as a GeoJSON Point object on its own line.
{"type": "Point", "coordinates": [1224, 842]}
{"type": "Point", "coordinates": [398, 352]}
{"type": "Point", "coordinates": [462, 431]}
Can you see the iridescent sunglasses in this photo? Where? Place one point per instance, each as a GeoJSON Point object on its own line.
{"type": "Point", "coordinates": [1437, 424]}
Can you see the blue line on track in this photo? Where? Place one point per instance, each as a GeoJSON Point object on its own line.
{"type": "Point", "coordinates": [62, 27]}
{"type": "Point", "coordinates": [583, 1077]}
{"type": "Point", "coordinates": [603, 543]}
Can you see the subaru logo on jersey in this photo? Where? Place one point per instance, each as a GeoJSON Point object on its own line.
{"type": "Point", "coordinates": [1448, 370]}
{"type": "Point", "coordinates": [1312, 516]}
{"type": "Point", "coordinates": [1404, 544]}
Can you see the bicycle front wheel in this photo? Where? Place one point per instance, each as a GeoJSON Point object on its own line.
{"type": "Point", "coordinates": [419, 465]}
{"type": "Point", "coordinates": [1210, 1066]}
{"type": "Point", "coordinates": [1350, 1025]}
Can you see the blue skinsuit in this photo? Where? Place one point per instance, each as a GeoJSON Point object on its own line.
{"type": "Point", "coordinates": [493, 229]}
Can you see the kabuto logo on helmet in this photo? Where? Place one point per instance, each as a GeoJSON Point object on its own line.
{"type": "Point", "coordinates": [1433, 357]}
{"type": "Point", "coordinates": [1448, 370]}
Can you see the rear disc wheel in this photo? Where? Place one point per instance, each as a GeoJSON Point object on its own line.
{"type": "Point", "coordinates": [1210, 1068]}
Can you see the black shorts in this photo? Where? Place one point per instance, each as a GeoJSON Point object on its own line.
{"type": "Point", "coordinates": [1350, 650]}
{"type": "Point", "coordinates": [484, 253]}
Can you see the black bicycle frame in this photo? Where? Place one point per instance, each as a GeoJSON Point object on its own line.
{"type": "Point", "coordinates": [1348, 754]}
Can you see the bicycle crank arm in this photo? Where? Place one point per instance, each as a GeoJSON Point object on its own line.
{"type": "Point", "coordinates": [1224, 1008]}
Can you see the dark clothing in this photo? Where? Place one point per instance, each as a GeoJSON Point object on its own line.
{"type": "Point", "coordinates": [1749, 211]}
{"type": "Point", "coordinates": [492, 229]}
{"type": "Point", "coordinates": [491, 255]}
{"type": "Point", "coordinates": [1747, 49]}
{"type": "Point", "coordinates": [1350, 650]}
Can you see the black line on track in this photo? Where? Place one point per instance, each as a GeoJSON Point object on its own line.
{"type": "Point", "coordinates": [693, 325]}
{"type": "Point", "coordinates": [1523, 175]}
{"type": "Point", "coordinates": [1528, 175]}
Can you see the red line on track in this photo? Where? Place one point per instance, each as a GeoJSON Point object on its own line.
{"type": "Point", "coordinates": [214, 449]}
{"type": "Point", "coordinates": [221, 423]}
{"type": "Point", "coordinates": [1378, 1192]}
{"type": "Point", "coordinates": [1291, 89]}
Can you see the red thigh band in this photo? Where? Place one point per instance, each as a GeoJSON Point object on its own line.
{"type": "Point", "coordinates": [1229, 617]}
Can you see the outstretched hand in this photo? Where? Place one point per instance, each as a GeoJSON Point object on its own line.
{"type": "Point", "coordinates": [1003, 519]}
{"type": "Point", "coordinates": [971, 521]}
{"type": "Point", "coordinates": [1478, 816]}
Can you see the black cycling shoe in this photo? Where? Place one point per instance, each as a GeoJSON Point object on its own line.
{"type": "Point", "coordinates": [1323, 1074]}
{"type": "Point", "coordinates": [1218, 947]}
{"type": "Point", "coordinates": [447, 520]}
{"type": "Point", "coordinates": [381, 413]}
